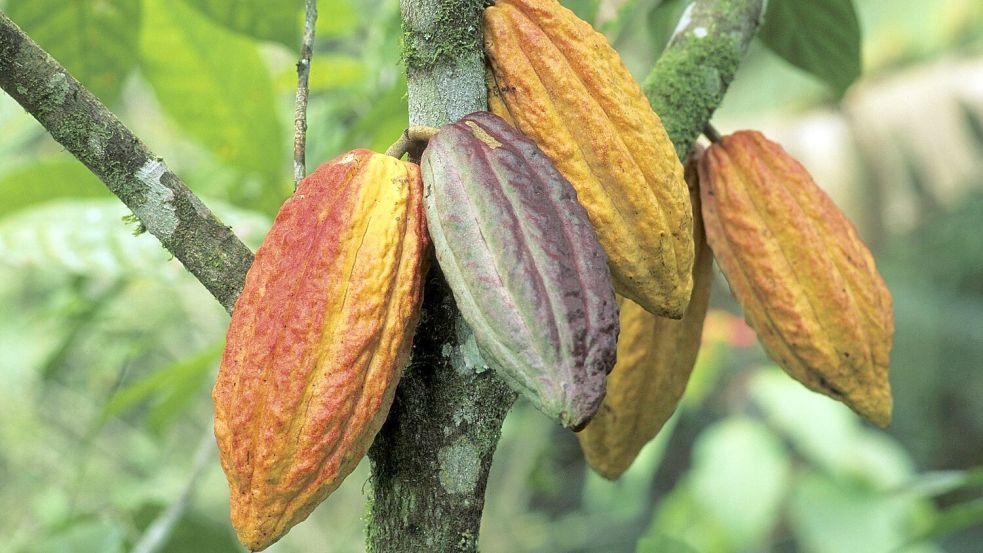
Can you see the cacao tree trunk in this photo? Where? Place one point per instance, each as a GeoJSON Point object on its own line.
{"type": "Point", "coordinates": [430, 462]}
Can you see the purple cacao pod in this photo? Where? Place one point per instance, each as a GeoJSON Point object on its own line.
{"type": "Point", "coordinates": [524, 263]}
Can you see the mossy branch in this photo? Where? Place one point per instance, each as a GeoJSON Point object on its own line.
{"type": "Point", "coordinates": [689, 80]}
{"type": "Point", "coordinates": [86, 128]}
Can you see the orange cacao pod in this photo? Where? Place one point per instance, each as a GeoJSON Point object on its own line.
{"type": "Point", "coordinates": [655, 358]}
{"type": "Point", "coordinates": [807, 284]}
{"type": "Point", "coordinates": [560, 83]}
{"type": "Point", "coordinates": [318, 339]}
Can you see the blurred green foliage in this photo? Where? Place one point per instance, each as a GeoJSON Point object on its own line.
{"type": "Point", "coordinates": [108, 346]}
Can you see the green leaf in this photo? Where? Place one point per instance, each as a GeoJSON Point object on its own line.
{"type": "Point", "coordinates": [94, 39]}
{"type": "Point", "coordinates": [48, 180]}
{"type": "Point", "coordinates": [379, 127]}
{"type": "Point", "coordinates": [82, 535]}
{"type": "Point", "coordinates": [731, 498]}
{"type": "Point", "coordinates": [662, 543]}
{"type": "Point", "coordinates": [828, 434]}
{"type": "Point", "coordinates": [740, 476]}
{"type": "Point", "coordinates": [954, 519]}
{"type": "Point", "coordinates": [82, 315]}
{"type": "Point", "coordinates": [328, 72]}
{"type": "Point", "coordinates": [831, 515]}
{"type": "Point", "coordinates": [194, 532]}
{"type": "Point", "coordinates": [171, 388]}
{"type": "Point", "coordinates": [263, 19]}
{"type": "Point", "coordinates": [88, 237]}
{"type": "Point", "coordinates": [334, 18]}
{"type": "Point", "coordinates": [215, 86]}
{"type": "Point", "coordinates": [585, 9]}
{"type": "Point", "coordinates": [821, 37]}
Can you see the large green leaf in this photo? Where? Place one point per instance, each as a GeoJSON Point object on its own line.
{"type": "Point", "coordinates": [328, 72]}
{"type": "Point", "coordinates": [731, 498]}
{"type": "Point", "coordinates": [821, 37]}
{"type": "Point", "coordinates": [740, 475]}
{"type": "Point", "coordinates": [383, 122]}
{"type": "Point", "coordinates": [88, 237]}
{"type": "Point", "coordinates": [831, 515]}
{"type": "Point", "coordinates": [827, 433]}
{"type": "Point", "coordinates": [95, 39]}
{"type": "Point", "coordinates": [47, 180]}
{"type": "Point", "coordinates": [263, 19]}
{"type": "Point", "coordinates": [215, 86]}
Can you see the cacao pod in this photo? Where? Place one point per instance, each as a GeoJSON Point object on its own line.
{"type": "Point", "coordinates": [561, 84]}
{"type": "Point", "coordinates": [655, 358]}
{"type": "Point", "coordinates": [524, 264]}
{"type": "Point", "coordinates": [318, 339]}
{"type": "Point", "coordinates": [807, 284]}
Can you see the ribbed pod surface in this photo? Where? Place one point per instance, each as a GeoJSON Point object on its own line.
{"type": "Point", "coordinates": [561, 84]}
{"type": "Point", "coordinates": [655, 358]}
{"type": "Point", "coordinates": [807, 284]}
{"type": "Point", "coordinates": [318, 339]}
{"type": "Point", "coordinates": [524, 264]}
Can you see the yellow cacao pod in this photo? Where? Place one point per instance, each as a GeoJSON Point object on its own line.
{"type": "Point", "coordinates": [807, 284]}
{"type": "Point", "coordinates": [318, 339]}
{"type": "Point", "coordinates": [655, 358]}
{"type": "Point", "coordinates": [561, 84]}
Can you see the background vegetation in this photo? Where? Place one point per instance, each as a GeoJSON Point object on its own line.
{"type": "Point", "coordinates": [108, 347]}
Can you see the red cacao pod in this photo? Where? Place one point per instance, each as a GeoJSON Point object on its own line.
{"type": "Point", "coordinates": [318, 339]}
{"type": "Point", "coordinates": [523, 261]}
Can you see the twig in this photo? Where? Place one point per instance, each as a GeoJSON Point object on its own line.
{"type": "Point", "coordinates": [711, 133]}
{"type": "Point", "coordinates": [87, 129]}
{"type": "Point", "coordinates": [303, 76]}
{"type": "Point", "coordinates": [412, 141]}
{"type": "Point", "coordinates": [157, 534]}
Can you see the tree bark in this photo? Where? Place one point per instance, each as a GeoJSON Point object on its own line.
{"type": "Point", "coordinates": [431, 460]}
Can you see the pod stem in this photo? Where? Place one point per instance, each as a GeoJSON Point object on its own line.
{"type": "Point", "coordinates": [711, 133]}
{"type": "Point", "coordinates": [412, 141]}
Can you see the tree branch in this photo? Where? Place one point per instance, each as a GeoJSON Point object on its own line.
{"type": "Point", "coordinates": [689, 80]}
{"type": "Point", "coordinates": [430, 462]}
{"type": "Point", "coordinates": [303, 75]}
{"type": "Point", "coordinates": [87, 129]}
